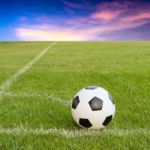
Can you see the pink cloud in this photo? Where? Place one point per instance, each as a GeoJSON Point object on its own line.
{"type": "Point", "coordinates": [140, 15]}
{"type": "Point", "coordinates": [110, 10]}
{"type": "Point", "coordinates": [105, 15]}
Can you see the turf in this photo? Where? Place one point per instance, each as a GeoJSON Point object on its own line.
{"type": "Point", "coordinates": [41, 96]}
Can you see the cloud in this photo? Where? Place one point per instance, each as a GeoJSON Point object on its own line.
{"type": "Point", "coordinates": [72, 5]}
{"type": "Point", "coordinates": [48, 33]}
{"type": "Point", "coordinates": [105, 15]}
{"type": "Point", "coordinates": [139, 16]}
{"type": "Point", "coordinates": [108, 11]}
{"type": "Point", "coordinates": [140, 32]}
{"type": "Point", "coordinates": [109, 21]}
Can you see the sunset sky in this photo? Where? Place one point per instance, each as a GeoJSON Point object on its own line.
{"type": "Point", "coordinates": [74, 20]}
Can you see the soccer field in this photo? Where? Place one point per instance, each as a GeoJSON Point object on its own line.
{"type": "Point", "coordinates": [39, 79]}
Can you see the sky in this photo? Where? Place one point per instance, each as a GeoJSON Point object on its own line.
{"type": "Point", "coordinates": [75, 20]}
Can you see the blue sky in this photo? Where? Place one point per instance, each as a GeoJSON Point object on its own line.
{"type": "Point", "coordinates": [76, 20]}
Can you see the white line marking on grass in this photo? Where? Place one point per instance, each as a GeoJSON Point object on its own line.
{"type": "Point", "coordinates": [6, 85]}
{"type": "Point", "coordinates": [42, 96]}
{"type": "Point", "coordinates": [74, 132]}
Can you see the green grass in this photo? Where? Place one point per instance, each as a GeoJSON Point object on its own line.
{"type": "Point", "coordinates": [123, 68]}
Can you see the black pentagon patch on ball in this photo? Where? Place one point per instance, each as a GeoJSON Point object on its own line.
{"type": "Point", "coordinates": [91, 87]}
{"type": "Point", "coordinates": [96, 104]}
{"type": "Point", "coordinates": [75, 102]}
{"type": "Point", "coordinates": [107, 120]}
{"type": "Point", "coordinates": [110, 97]}
{"type": "Point", "coordinates": [85, 123]}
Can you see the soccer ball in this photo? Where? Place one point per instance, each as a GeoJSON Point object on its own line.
{"type": "Point", "coordinates": [93, 108]}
